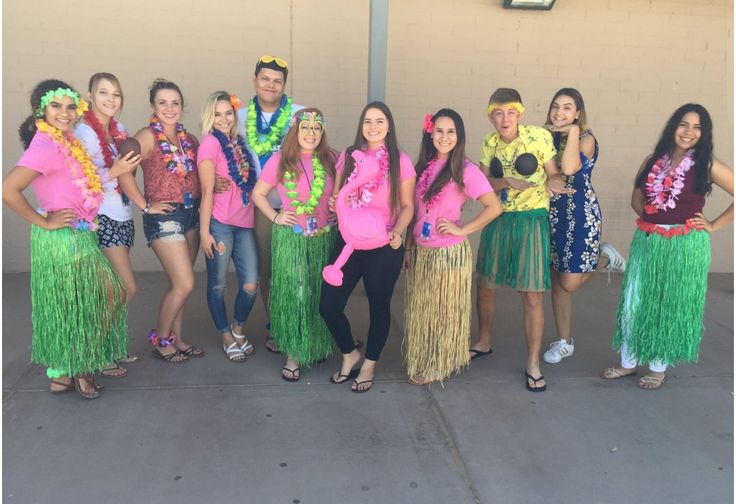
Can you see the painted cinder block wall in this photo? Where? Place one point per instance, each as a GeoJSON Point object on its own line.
{"type": "Point", "coordinates": [634, 61]}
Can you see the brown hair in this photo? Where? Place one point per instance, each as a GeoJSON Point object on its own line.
{"type": "Point", "coordinates": [290, 150]}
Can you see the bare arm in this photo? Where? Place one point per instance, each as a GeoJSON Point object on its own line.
{"type": "Point", "coordinates": [722, 176]}
{"type": "Point", "coordinates": [406, 200]}
{"type": "Point", "coordinates": [492, 208]}
{"type": "Point", "coordinates": [637, 196]}
{"type": "Point", "coordinates": [206, 172]}
{"type": "Point", "coordinates": [555, 185]}
{"type": "Point", "coordinates": [130, 186]}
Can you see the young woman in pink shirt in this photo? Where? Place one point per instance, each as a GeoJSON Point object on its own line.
{"type": "Point", "coordinates": [438, 256]}
{"type": "Point", "coordinates": [79, 311]}
{"type": "Point", "coordinates": [226, 219]}
{"type": "Point", "coordinates": [304, 173]}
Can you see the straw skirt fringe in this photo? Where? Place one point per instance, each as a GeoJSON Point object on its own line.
{"type": "Point", "coordinates": [296, 282]}
{"type": "Point", "coordinates": [660, 312]}
{"type": "Point", "coordinates": [438, 307]}
{"type": "Point", "coordinates": [78, 303]}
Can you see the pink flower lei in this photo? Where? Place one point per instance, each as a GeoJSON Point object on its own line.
{"type": "Point", "coordinates": [425, 181]}
{"type": "Point", "coordinates": [362, 196]}
{"type": "Point", "coordinates": [664, 184]}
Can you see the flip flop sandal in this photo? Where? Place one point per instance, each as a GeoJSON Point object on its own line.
{"type": "Point", "coordinates": [233, 352]}
{"type": "Point", "coordinates": [82, 393]}
{"type": "Point", "coordinates": [115, 372]}
{"type": "Point", "coordinates": [613, 373]}
{"type": "Point", "coordinates": [341, 378]}
{"type": "Point", "coordinates": [419, 381]}
{"type": "Point", "coordinates": [479, 353]}
{"type": "Point", "coordinates": [193, 351]}
{"type": "Point", "coordinates": [68, 387]}
{"type": "Point", "coordinates": [129, 359]}
{"type": "Point", "coordinates": [535, 380]}
{"type": "Point", "coordinates": [271, 346]}
{"type": "Point", "coordinates": [294, 376]}
{"type": "Point", "coordinates": [172, 358]}
{"type": "Point", "coordinates": [650, 382]}
{"type": "Point", "coordinates": [357, 383]}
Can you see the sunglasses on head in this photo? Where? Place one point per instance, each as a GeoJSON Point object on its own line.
{"type": "Point", "coordinates": [269, 59]}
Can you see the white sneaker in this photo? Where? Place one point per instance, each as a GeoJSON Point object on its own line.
{"type": "Point", "coordinates": [558, 350]}
{"type": "Point", "coordinates": [616, 261]}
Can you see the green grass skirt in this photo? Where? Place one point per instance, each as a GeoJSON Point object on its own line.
{"type": "Point", "coordinates": [660, 312]}
{"type": "Point", "coordinates": [438, 305]}
{"type": "Point", "coordinates": [515, 251]}
{"type": "Point", "coordinates": [80, 319]}
{"type": "Point", "coordinates": [296, 282]}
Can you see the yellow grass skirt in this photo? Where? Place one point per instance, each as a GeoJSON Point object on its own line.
{"type": "Point", "coordinates": [438, 307]}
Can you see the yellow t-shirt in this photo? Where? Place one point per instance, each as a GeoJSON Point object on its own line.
{"type": "Point", "coordinates": [531, 139]}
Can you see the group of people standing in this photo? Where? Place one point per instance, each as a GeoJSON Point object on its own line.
{"type": "Point", "coordinates": [326, 220]}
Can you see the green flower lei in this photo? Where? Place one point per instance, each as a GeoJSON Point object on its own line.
{"type": "Point", "coordinates": [274, 136]}
{"type": "Point", "coordinates": [318, 188]}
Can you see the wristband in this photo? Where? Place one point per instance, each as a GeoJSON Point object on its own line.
{"type": "Point", "coordinates": [147, 208]}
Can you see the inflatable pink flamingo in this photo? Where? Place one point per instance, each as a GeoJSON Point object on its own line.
{"type": "Point", "coordinates": [361, 227]}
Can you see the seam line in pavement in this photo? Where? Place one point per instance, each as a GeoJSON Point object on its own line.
{"type": "Point", "coordinates": [453, 448]}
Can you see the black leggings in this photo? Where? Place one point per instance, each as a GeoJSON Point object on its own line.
{"type": "Point", "coordinates": [379, 269]}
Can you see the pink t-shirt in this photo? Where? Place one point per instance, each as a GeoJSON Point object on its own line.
{"type": "Point", "coordinates": [449, 204]}
{"type": "Point", "coordinates": [269, 174]}
{"type": "Point", "coordinates": [227, 207]}
{"type": "Point", "coordinates": [54, 189]}
{"type": "Point", "coordinates": [381, 201]}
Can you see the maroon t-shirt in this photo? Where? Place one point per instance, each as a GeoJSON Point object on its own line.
{"type": "Point", "coordinates": [159, 184]}
{"type": "Point", "coordinates": [688, 203]}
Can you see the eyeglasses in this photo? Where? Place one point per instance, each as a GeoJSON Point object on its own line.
{"type": "Point", "coordinates": [305, 129]}
{"type": "Point", "coordinates": [268, 59]}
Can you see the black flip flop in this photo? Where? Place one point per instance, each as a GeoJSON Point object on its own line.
{"type": "Point", "coordinates": [193, 352]}
{"type": "Point", "coordinates": [479, 353]}
{"type": "Point", "coordinates": [535, 380]}
{"type": "Point", "coordinates": [359, 383]}
{"type": "Point", "coordinates": [168, 358]}
{"type": "Point", "coordinates": [292, 371]}
{"type": "Point", "coordinates": [341, 378]}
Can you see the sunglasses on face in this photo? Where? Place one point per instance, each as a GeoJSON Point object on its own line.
{"type": "Point", "coordinates": [268, 59]}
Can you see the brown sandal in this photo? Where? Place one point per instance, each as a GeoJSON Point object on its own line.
{"type": "Point", "coordinates": [68, 387]}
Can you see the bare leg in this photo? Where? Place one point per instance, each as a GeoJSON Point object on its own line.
{"type": "Point", "coordinates": [534, 328]}
{"type": "Point", "coordinates": [563, 285]}
{"type": "Point", "coordinates": [486, 306]}
{"type": "Point", "coordinates": [119, 258]}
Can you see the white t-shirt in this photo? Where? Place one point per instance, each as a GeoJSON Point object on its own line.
{"type": "Point", "coordinates": [112, 204]}
{"type": "Point", "coordinates": [273, 196]}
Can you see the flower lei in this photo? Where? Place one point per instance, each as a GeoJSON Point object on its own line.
{"type": "Point", "coordinates": [61, 92]}
{"type": "Point", "coordinates": [315, 193]}
{"type": "Point", "coordinates": [665, 184]}
{"type": "Point", "coordinates": [424, 183]}
{"type": "Point", "coordinates": [239, 163]}
{"type": "Point", "coordinates": [117, 136]}
{"type": "Point", "coordinates": [172, 164]}
{"type": "Point", "coordinates": [362, 196]}
{"type": "Point", "coordinates": [81, 167]}
{"type": "Point", "coordinates": [156, 340]}
{"type": "Point", "coordinates": [276, 128]}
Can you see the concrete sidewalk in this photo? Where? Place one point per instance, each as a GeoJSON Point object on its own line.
{"type": "Point", "coordinates": [210, 431]}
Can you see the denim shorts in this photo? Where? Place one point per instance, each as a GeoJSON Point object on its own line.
{"type": "Point", "coordinates": [173, 225]}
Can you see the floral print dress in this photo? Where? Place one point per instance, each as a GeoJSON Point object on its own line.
{"type": "Point", "coordinates": [575, 220]}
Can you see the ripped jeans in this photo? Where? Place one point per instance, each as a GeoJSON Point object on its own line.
{"type": "Point", "coordinates": [173, 225]}
{"type": "Point", "coordinates": [240, 244]}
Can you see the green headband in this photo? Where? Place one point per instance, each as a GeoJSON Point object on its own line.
{"type": "Point", "coordinates": [60, 93]}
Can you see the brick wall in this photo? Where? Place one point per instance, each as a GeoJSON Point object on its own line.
{"type": "Point", "coordinates": [634, 61]}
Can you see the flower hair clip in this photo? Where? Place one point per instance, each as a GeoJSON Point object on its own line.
{"type": "Point", "coordinates": [235, 102]}
{"type": "Point", "coordinates": [428, 125]}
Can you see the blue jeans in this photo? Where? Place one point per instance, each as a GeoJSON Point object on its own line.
{"type": "Point", "coordinates": [240, 244]}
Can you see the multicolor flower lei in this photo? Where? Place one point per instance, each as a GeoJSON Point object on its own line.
{"type": "Point", "coordinates": [239, 163]}
{"type": "Point", "coordinates": [155, 340]}
{"type": "Point", "coordinates": [425, 181]}
{"type": "Point", "coordinates": [276, 128]}
{"type": "Point", "coordinates": [363, 195]}
{"type": "Point", "coordinates": [81, 167]}
{"type": "Point", "coordinates": [315, 193]}
{"type": "Point", "coordinates": [665, 184]}
{"type": "Point", "coordinates": [170, 161]}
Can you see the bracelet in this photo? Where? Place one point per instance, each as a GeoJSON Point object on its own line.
{"type": "Point", "coordinates": [275, 217]}
{"type": "Point", "coordinates": [147, 208]}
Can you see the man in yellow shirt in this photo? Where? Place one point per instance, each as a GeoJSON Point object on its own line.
{"type": "Point", "coordinates": [515, 248]}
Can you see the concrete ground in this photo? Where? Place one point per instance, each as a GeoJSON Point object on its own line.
{"type": "Point", "coordinates": [210, 431]}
